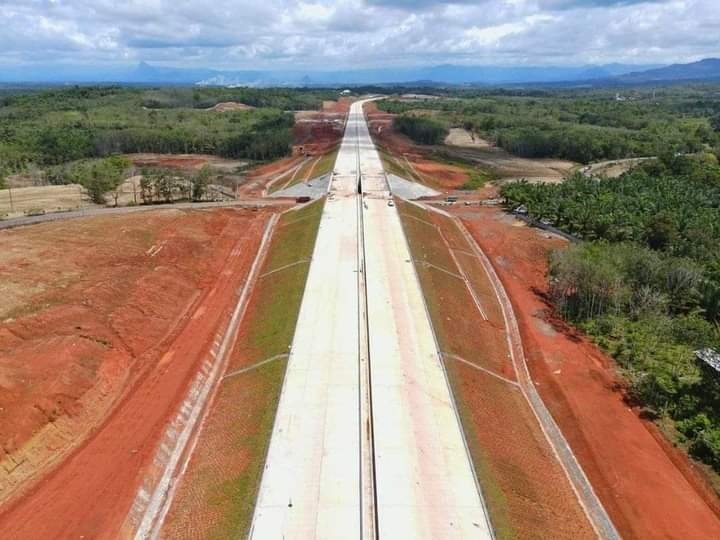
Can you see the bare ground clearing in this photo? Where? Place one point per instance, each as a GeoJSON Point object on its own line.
{"type": "Point", "coordinates": [110, 319]}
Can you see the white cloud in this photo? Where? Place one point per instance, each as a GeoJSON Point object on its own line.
{"type": "Point", "coordinates": [357, 33]}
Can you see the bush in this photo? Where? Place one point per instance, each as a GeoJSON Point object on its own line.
{"type": "Point", "coordinates": [421, 130]}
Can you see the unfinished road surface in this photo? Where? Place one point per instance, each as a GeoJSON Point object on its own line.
{"type": "Point", "coordinates": [366, 442]}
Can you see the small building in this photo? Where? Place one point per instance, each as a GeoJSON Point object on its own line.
{"type": "Point", "coordinates": [345, 92]}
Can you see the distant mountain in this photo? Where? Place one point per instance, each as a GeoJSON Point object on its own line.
{"type": "Point", "coordinates": [447, 74]}
{"type": "Point", "coordinates": [704, 70]}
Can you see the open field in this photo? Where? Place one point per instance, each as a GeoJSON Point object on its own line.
{"type": "Point", "coordinates": [186, 162]}
{"type": "Point", "coordinates": [509, 167]}
{"type": "Point", "coordinates": [514, 462]}
{"type": "Point", "coordinates": [216, 496]}
{"type": "Point", "coordinates": [108, 320]}
{"type": "Point", "coordinates": [648, 488]}
{"type": "Point", "coordinates": [465, 138]}
{"type": "Point", "coordinates": [29, 200]}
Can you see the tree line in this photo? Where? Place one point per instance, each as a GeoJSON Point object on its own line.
{"type": "Point", "coordinates": [420, 129]}
{"type": "Point", "coordinates": [580, 125]}
{"type": "Point", "coordinates": [62, 125]}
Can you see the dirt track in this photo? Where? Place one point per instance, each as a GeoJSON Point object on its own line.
{"type": "Point", "coordinates": [636, 477]}
{"type": "Point", "coordinates": [145, 310]}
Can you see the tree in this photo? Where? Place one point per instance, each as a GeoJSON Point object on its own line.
{"type": "Point", "coordinates": [101, 176]}
{"type": "Point", "coordinates": [661, 231]}
{"type": "Point", "coordinates": [200, 183]}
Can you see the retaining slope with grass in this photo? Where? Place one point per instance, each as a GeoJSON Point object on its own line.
{"type": "Point", "coordinates": [218, 491]}
{"type": "Point", "coordinates": [526, 490]}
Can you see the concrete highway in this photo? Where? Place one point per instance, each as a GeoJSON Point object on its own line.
{"type": "Point", "coordinates": [367, 442]}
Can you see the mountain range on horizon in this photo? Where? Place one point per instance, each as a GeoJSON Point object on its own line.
{"type": "Point", "coordinates": [448, 74]}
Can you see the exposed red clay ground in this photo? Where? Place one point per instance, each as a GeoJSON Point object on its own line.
{"type": "Point", "coordinates": [647, 487]}
{"type": "Point", "coordinates": [183, 162]}
{"type": "Point", "coordinates": [439, 176]}
{"type": "Point", "coordinates": [318, 132]}
{"type": "Point", "coordinates": [111, 318]}
{"type": "Point", "coordinates": [525, 488]}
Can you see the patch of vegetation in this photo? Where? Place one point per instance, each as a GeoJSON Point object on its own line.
{"type": "Point", "coordinates": [421, 129]}
{"type": "Point", "coordinates": [581, 125]}
{"type": "Point", "coordinates": [477, 178]}
{"type": "Point", "coordinates": [646, 285]}
{"type": "Point", "coordinates": [63, 125]}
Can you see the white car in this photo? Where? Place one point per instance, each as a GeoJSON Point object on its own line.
{"type": "Point", "coordinates": [391, 203]}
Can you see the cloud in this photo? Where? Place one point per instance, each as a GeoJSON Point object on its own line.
{"type": "Point", "coordinates": [341, 34]}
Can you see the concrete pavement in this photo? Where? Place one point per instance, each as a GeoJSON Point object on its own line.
{"type": "Point", "coordinates": [366, 442]}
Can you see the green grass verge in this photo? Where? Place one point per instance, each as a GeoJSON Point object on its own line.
{"type": "Point", "coordinates": [294, 237]}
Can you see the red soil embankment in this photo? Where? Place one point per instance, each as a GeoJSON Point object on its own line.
{"type": "Point", "coordinates": [115, 341]}
{"type": "Point", "coordinates": [646, 487]}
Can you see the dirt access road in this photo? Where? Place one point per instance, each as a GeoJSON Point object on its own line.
{"type": "Point", "coordinates": [151, 312]}
{"type": "Point", "coordinates": [366, 437]}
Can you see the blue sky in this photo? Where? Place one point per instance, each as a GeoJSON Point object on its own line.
{"type": "Point", "coordinates": [269, 34]}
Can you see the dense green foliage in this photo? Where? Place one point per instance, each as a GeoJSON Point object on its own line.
{"type": "Point", "coordinates": [99, 176]}
{"type": "Point", "coordinates": [420, 129]}
{"type": "Point", "coordinates": [646, 284]}
{"type": "Point", "coordinates": [58, 126]}
{"type": "Point", "coordinates": [581, 125]}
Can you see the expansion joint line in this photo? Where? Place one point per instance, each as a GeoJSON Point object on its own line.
{"type": "Point", "coordinates": [480, 368]}
{"type": "Point", "coordinates": [368, 487]}
{"type": "Point", "coordinates": [257, 365]}
{"type": "Point", "coordinates": [284, 267]}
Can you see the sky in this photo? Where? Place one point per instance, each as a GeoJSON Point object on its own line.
{"type": "Point", "coordinates": [344, 34]}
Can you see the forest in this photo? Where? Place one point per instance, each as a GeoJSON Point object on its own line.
{"type": "Point", "coordinates": [579, 125]}
{"type": "Point", "coordinates": [644, 282]}
{"type": "Point", "coordinates": [51, 127]}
